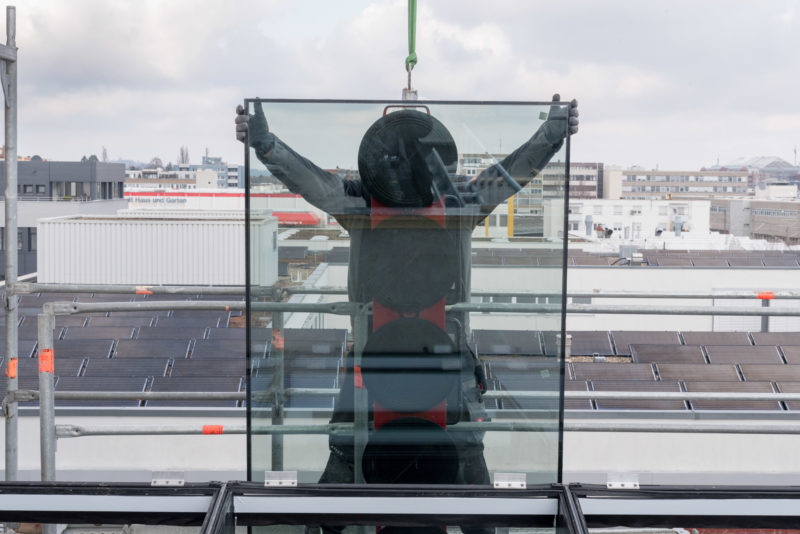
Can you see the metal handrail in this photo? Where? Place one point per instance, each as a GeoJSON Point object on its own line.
{"type": "Point", "coordinates": [359, 312]}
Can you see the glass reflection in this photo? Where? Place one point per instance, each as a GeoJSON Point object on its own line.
{"type": "Point", "coordinates": [412, 406]}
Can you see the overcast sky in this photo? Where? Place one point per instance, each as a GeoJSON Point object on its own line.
{"type": "Point", "coordinates": [676, 84]}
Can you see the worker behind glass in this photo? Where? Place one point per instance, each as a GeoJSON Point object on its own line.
{"type": "Point", "coordinates": [410, 220]}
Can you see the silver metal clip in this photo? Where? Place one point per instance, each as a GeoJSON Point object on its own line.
{"type": "Point", "coordinates": [168, 478]}
{"type": "Point", "coordinates": [622, 481]}
{"type": "Point", "coordinates": [510, 481]}
{"type": "Point", "coordinates": [280, 478]}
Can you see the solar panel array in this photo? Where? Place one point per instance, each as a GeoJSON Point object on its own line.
{"type": "Point", "coordinates": [173, 350]}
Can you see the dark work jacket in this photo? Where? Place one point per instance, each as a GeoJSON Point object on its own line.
{"type": "Point", "coordinates": [349, 203]}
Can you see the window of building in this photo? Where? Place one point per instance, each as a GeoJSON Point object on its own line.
{"type": "Point", "coordinates": [19, 239]}
{"type": "Point", "coordinates": [32, 239]}
{"type": "Point", "coordinates": [598, 209]}
{"type": "Point", "coordinates": [41, 189]}
{"type": "Point", "coordinates": [618, 210]}
{"type": "Point", "coordinates": [27, 189]}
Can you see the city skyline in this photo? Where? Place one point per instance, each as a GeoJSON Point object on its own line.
{"type": "Point", "coordinates": [675, 84]}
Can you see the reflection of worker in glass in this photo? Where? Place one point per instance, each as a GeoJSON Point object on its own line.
{"type": "Point", "coordinates": [406, 263]}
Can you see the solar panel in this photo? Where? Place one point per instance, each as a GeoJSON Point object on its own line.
{"type": "Point", "coordinates": [576, 404]}
{"type": "Point", "coordinates": [788, 260]}
{"type": "Point", "coordinates": [551, 343]}
{"type": "Point", "coordinates": [622, 339]}
{"type": "Point", "coordinates": [195, 384]}
{"type": "Point", "coordinates": [82, 348]}
{"type": "Point", "coordinates": [121, 320]}
{"type": "Point", "coordinates": [99, 332]}
{"type": "Point", "coordinates": [790, 387]}
{"type": "Point", "coordinates": [638, 386]}
{"type": "Point", "coordinates": [106, 297]}
{"type": "Point", "coordinates": [716, 338]}
{"type": "Point", "coordinates": [25, 349]}
{"type": "Point", "coordinates": [771, 373]}
{"type": "Point", "coordinates": [731, 387]}
{"type": "Point", "coordinates": [314, 341]}
{"type": "Point", "coordinates": [171, 333]}
{"type": "Point", "coordinates": [709, 261]}
{"type": "Point", "coordinates": [29, 330]}
{"type": "Point", "coordinates": [311, 380]}
{"type": "Point", "coordinates": [590, 260]}
{"type": "Point", "coordinates": [227, 334]}
{"type": "Point", "coordinates": [65, 320]}
{"type": "Point", "coordinates": [776, 338]}
{"type": "Point", "coordinates": [63, 367]}
{"type": "Point", "coordinates": [208, 367]}
{"type": "Point", "coordinates": [37, 301]}
{"type": "Point", "coordinates": [126, 367]}
{"type": "Point", "coordinates": [152, 348]}
{"type": "Point", "coordinates": [585, 343]}
{"type": "Point", "coordinates": [508, 342]}
{"type": "Point", "coordinates": [791, 353]}
{"type": "Point", "coordinates": [520, 260]}
{"type": "Point", "coordinates": [543, 380]}
{"type": "Point", "coordinates": [612, 371]}
{"type": "Point", "coordinates": [746, 354]}
{"type": "Point", "coordinates": [668, 261]}
{"type": "Point", "coordinates": [105, 383]}
{"type": "Point", "coordinates": [260, 385]}
{"type": "Point", "coordinates": [667, 354]}
{"type": "Point", "coordinates": [697, 372]}
{"type": "Point", "coordinates": [211, 348]}
{"type": "Point", "coordinates": [187, 321]}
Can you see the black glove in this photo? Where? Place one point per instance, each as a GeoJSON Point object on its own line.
{"type": "Point", "coordinates": [559, 120]}
{"type": "Point", "coordinates": [255, 128]}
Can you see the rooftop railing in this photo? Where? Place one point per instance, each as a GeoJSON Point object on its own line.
{"type": "Point", "coordinates": [278, 394]}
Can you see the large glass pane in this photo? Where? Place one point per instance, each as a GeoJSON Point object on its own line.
{"type": "Point", "coordinates": [420, 266]}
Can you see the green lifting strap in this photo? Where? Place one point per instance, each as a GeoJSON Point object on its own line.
{"type": "Point", "coordinates": [411, 60]}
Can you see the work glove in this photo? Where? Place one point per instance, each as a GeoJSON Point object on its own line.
{"type": "Point", "coordinates": [255, 128]}
{"type": "Point", "coordinates": [560, 120]}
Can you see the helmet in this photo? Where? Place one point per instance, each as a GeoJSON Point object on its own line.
{"type": "Point", "coordinates": [395, 161]}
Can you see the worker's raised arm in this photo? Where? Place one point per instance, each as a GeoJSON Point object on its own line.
{"type": "Point", "coordinates": [325, 190]}
{"type": "Point", "coordinates": [515, 171]}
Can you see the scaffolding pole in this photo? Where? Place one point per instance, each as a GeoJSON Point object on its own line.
{"type": "Point", "coordinates": [8, 77]}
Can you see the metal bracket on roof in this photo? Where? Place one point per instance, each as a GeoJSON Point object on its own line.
{"type": "Point", "coordinates": [622, 481]}
{"type": "Point", "coordinates": [168, 478]}
{"type": "Point", "coordinates": [280, 478]}
{"type": "Point", "coordinates": [510, 481]}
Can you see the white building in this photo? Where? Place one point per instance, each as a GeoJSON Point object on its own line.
{"type": "Point", "coordinates": [627, 219]}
